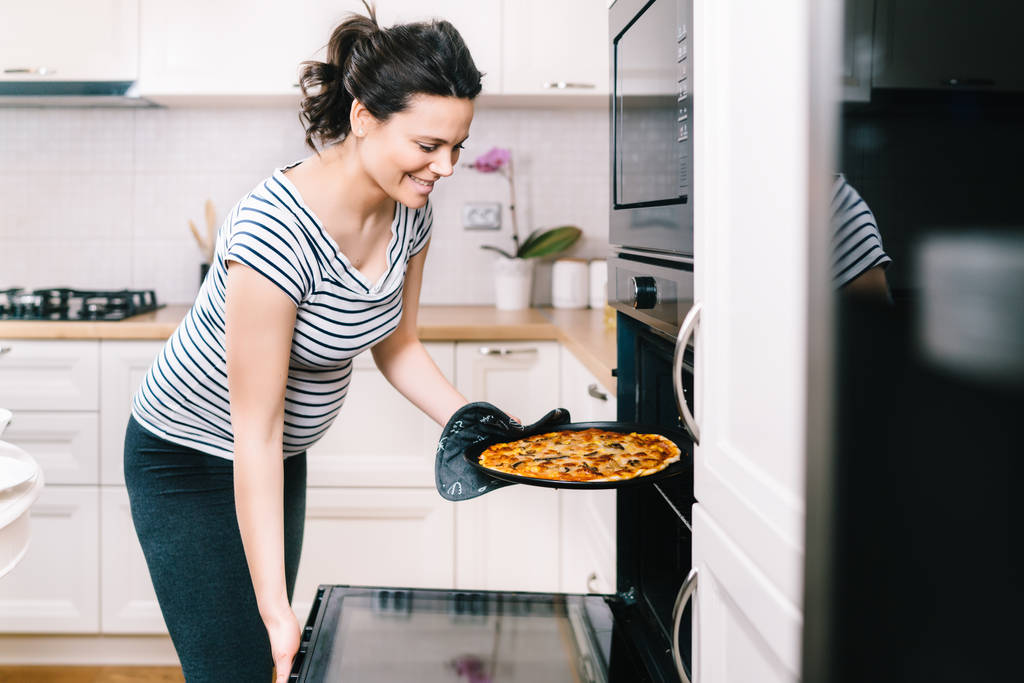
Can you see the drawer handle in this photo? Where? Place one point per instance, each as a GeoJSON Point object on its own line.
{"type": "Point", "coordinates": [38, 71]}
{"type": "Point", "coordinates": [591, 581]}
{"type": "Point", "coordinates": [562, 85]}
{"type": "Point", "coordinates": [596, 392]}
{"type": "Point", "coordinates": [504, 351]}
{"type": "Point", "coordinates": [4, 349]}
{"type": "Point", "coordinates": [686, 591]}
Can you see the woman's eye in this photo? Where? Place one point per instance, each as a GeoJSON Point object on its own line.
{"type": "Point", "coordinates": [428, 148]}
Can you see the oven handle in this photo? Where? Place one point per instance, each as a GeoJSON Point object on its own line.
{"type": "Point", "coordinates": [687, 591]}
{"type": "Point", "coordinates": [687, 330]}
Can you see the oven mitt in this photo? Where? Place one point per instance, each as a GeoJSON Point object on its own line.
{"type": "Point", "coordinates": [472, 423]}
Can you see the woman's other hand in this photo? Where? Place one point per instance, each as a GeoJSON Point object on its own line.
{"type": "Point", "coordinates": [283, 630]}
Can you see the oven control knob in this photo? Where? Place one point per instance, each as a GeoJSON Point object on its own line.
{"type": "Point", "coordinates": [645, 292]}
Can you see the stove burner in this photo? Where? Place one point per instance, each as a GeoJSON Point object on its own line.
{"type": "Point", "coordinates": [62, 303]}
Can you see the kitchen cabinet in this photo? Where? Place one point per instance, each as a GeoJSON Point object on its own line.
{"type": "Point", "coordinates": [363, 446]}
{"type": "Point", "coordinates": [751, 368]}
{"type": "Point", "coordinates": [509, 538]}
{"type": "Point", "coordinates": [965, 45]}
{"type": "Point", "coordinates": [375, 537]}
{"type": "Point", "coordinates": [124, 364]}
{"type": "Point", "coordinates": [66, 445]}
{"type": "Point", "coordinates": [587, 517]}
{"type": "Point", "coordinates": [128, 602]}
{"type": "Point", "coordinates": [69, 40]}
{"type": "Point", "coordinates": [556, 48]}
{"type": "Point", "coordinates": [858, 41]}
{"type": "Point", "coordinates": [235, 48]}
{"type": "Point", "coordinates": [53, 588]}
{"type": "Point", "coordinates": [49, 375]}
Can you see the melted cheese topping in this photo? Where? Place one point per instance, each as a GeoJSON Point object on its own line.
{"type": "Point", "coordinates": [584, 455]}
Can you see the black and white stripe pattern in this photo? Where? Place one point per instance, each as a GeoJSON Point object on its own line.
{"type": "Point", "coordinates": [184, 396]}
{"type": "Point", "coordinates": [856, 241]}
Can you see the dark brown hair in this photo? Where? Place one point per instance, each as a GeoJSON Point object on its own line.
{"type": "Point", "coordinates": [382, 68]}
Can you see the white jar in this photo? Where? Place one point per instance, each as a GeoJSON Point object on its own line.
{"type": "Point", "coordinates": [569, 283]}
{"type": "Point", "coordinates": [598, 283]}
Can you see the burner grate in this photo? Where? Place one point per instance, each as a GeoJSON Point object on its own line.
{"type": "Point", "coordinates": [64, 303]}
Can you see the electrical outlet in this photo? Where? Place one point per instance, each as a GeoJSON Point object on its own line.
{"type": "Point", "coordinates": [481, 215]}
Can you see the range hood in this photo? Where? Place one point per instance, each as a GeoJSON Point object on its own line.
{"type": "Point", "coordinates": [47, 93]}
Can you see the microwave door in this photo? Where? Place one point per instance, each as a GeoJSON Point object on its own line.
{"type": "Point", "coordinates": [399, 635]}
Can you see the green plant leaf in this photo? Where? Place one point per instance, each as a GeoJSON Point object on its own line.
{"type": "Point", "coordinates": [549, 242]}
{"type": "Point", "coordinates": [528, 242]}
{"type": "Point", "coordinates": [494, 248]}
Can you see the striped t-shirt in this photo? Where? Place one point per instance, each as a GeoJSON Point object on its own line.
{"type": "Point", "coordinates": [856, 242]}
{"type": "Point", "coordinates": [184, 396]}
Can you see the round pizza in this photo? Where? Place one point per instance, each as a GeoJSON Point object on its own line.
{"type": "Point", "coordinates": [582, 455]}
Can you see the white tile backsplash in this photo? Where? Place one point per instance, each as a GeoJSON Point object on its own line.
{"type": "Point", "coordinates": [102, 197]}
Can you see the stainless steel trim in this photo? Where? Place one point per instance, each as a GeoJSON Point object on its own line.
{"type": "Point", "coordinates": [596, 392]}
{"type": "Point", "coordinates": [37, 71]}
{"type": "Point", "coordinates": [618, 249]}
{"type": "Point", "coordinates": [505, 351]}
{"type": "Point", "coordinates": [685, 593]}
{"type": "Point", "coordinates": [686, 330]}
{"type": "Point", "coordinates": [5, 349]}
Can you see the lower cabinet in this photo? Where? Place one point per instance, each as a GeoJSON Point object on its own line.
{"type": "Point", "coordinates": [54, 587]}
{"type": "Point", "coordinates": [375, 537]}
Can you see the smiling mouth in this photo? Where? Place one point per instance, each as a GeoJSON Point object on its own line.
{"type": "Point", "coordinates": [424, 183]}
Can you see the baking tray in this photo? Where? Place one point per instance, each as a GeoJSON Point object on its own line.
{"type": "Point", "coordinates": [677, 436]}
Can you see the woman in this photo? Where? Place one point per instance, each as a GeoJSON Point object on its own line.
{"type": "Point", "coordinates": [319, 262]}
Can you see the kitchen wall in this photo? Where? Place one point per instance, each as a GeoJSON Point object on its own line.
{"type": "Point", "coordinates": [102, 197]}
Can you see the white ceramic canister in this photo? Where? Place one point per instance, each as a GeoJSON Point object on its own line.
{"type": "Point", "coordinates": [569, 283]}
{"type": "Point", "coordinates": [598, 283]}
{"type": "Point", "coordinates": [513, 281]}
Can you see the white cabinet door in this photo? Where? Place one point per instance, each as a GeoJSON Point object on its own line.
{"type": "Point", "coordinates": [66, 445]}
{"type": "Point", "coordinates": [509, 539]}
{"type": "Point", "coordinates": [124, 364]}
{"type": "Point", "coordinates": [751, 228]}
{"type": "Point", "coordinates": [69, 40]}
{"type": "Point", "coordinates": [478, 23]}
{"type": "Point", "coordinates": [545, 43]}
{"type": "Point", "coordinates": [128, 601]}
{"type": "Point", "coordinates": [49, 375]}
{"type": "Point", "coordinates": [54, 588]}
{"type": "Point", "coordinates": [374, 537]}
{"type": "Point", "coordinates": [746, 625]}
{"type": "Point", "coordinates": [379, 438]}
{"type": "Point", "coordinates": [587, 517]}
{"type": "Point", "coordinates": [231, 47]}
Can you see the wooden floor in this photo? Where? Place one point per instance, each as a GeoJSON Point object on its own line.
{"type": "Point", "coordinates": [90, 674]}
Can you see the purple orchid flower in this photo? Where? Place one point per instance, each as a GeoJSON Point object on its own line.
{"type": "Point", "coordinates": [493, 160]}
{"type": "Point", "coordinates": [470, 667]}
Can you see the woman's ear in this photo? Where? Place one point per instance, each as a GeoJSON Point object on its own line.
{"type": "Point", "coordinates": [360, 119]}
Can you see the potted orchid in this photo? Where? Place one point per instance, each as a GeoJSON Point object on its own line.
{"type": "Point", "coordinates": [513, 270]}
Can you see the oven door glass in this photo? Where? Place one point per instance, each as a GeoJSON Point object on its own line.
{"type": "Point", "coordinates": [399, 635]}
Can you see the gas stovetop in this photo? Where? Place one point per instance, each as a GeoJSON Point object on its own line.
{"type": "Point", "coordinates": [62, 303]}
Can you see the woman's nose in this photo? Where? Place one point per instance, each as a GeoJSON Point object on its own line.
{"type": "Point", "coordinates": [442, 166]}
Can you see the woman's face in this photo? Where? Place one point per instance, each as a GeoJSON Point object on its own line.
{"type": "Point", "coordinates": [415, 148]}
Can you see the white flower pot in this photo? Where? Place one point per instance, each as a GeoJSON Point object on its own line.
{"type": "Point", "coordinates": [513, 280]}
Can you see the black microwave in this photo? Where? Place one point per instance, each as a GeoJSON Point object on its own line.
{"type": "Point", "coordinates": [652, 126]}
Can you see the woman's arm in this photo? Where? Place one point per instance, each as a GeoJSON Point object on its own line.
{"type": "Point", "coordinates": [260, 321]}
{"type": "Point", "coordinates": [404, 361]}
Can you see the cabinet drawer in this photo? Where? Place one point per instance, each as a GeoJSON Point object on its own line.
{"type": "Point", "coordinates": [49, 375]}
{"type": "Point", "coordinates": [125, 364]}
{"type": "Point", "coordinates": [521, 378]}
{"type": "Point", "coordinates": [66, 445]}
{"type": "Point", "coordinates": [54, 587]}
{"type": "Point", "coordinates": [375, 537]}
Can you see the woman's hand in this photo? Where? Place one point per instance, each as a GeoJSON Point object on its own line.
{"type": "Point", "coordinates": [283, 630]}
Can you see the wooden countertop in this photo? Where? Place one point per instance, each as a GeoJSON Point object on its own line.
{"type": "Point", "coordinates": [581, 331]}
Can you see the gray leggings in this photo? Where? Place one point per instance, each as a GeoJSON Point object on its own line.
{"type": "Point", "coordinates": [183, 507]}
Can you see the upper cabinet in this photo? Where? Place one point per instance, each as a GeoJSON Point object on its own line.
{"type": "Point", "coordinates": [232, 48]}
{"type": "Point", "coordinates": [941, 44]}
{"type": "Point", "coordinates": [554, 47]}
{"type": "Point", "coordinates": [70, 40]}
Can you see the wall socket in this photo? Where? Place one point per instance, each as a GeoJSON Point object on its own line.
{"type": "Point", "coordinates": [481, 215]}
